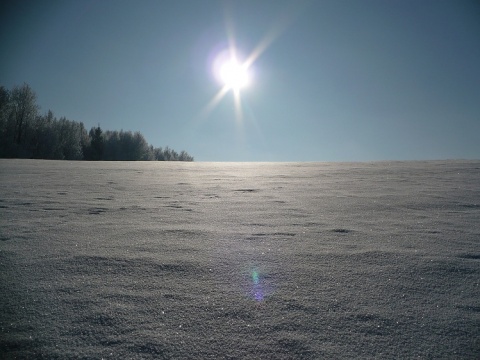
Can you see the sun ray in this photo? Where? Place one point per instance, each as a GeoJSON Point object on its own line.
{"type": "Point", "coordinates": [279, 26]}
{"type": "Point", "coordinates": [234, 74]}
{"type": "Point", "coordinates": [229, 28]}
{"type": "Point", "coordinates": [213, 102]}
{"type": "Point", "coordinates": [238, 107]}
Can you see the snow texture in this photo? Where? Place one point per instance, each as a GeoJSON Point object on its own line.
{"type": "Point", "coordinates": [132, 260]}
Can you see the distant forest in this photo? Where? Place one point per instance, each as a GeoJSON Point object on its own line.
{"type": "Point", "coordinates": [24, 133]}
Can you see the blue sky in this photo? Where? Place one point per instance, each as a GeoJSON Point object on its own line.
{"type": "Point", "coordinates": [338, 80]}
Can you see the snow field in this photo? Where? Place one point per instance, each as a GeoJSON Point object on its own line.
{"type": "Point", "coordinates": [239, 260]}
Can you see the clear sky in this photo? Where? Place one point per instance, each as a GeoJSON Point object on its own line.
{"type": "Point", "coordinates": [333, 80]}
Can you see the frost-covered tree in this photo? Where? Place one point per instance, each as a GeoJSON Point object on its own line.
{"type": "Point", "coordinates": [168, 154]}
{"type": "Point", "coordinates": [24, 110]}
{"type": "Point", "coordinates": [126, 146]}
{"type": "Point", "coordinates": [18, 110]}
{"type": "Point", "coordinates": [25, 133]}
{"type": "Point", "coordinates": [184, 156]}
{"type": "Point", "coordinates": [70, 135]}
{"type": "Point", "coordinates": [6, 129]}
{"type": "Point", "coordinates": [95, 150]}
{"type": "Point", "coordinates": [44, 140]}
{"type": "Point", "coordinates": [112, 151]}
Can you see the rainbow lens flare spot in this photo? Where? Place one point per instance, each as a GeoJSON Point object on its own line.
{"type": "Point", "coordinates": [257, 290]}
{"type": "Point", "coordinates": [255, 277]}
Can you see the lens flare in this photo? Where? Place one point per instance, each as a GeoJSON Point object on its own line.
{"type": "Point", "coordinates": [255, 277]}
{"type": "Point", "coordinates": [258, 292]}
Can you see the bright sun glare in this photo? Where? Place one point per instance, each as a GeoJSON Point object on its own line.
{"type": "Point", "coordinates": [234, 75]}
{"type": "Point", "coordinates": [230, 72]}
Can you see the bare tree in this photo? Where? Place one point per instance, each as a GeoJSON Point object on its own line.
{"type": "Point", "coordinates": [24, 107]}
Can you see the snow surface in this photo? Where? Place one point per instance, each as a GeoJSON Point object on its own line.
{"type": "Point", "coordinates": [128, 260]}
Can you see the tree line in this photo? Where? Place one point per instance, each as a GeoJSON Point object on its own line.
{"type": "Point", "coordinates": [25, 133]}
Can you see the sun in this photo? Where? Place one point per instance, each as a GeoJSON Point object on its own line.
{"type": "Point", "coordinates": [232, 70]}
{"type": "Point", "coordinates": [234, 75]}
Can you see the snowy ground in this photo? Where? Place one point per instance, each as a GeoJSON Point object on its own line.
{"type": "Point", "coordinates": [229, 260]}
